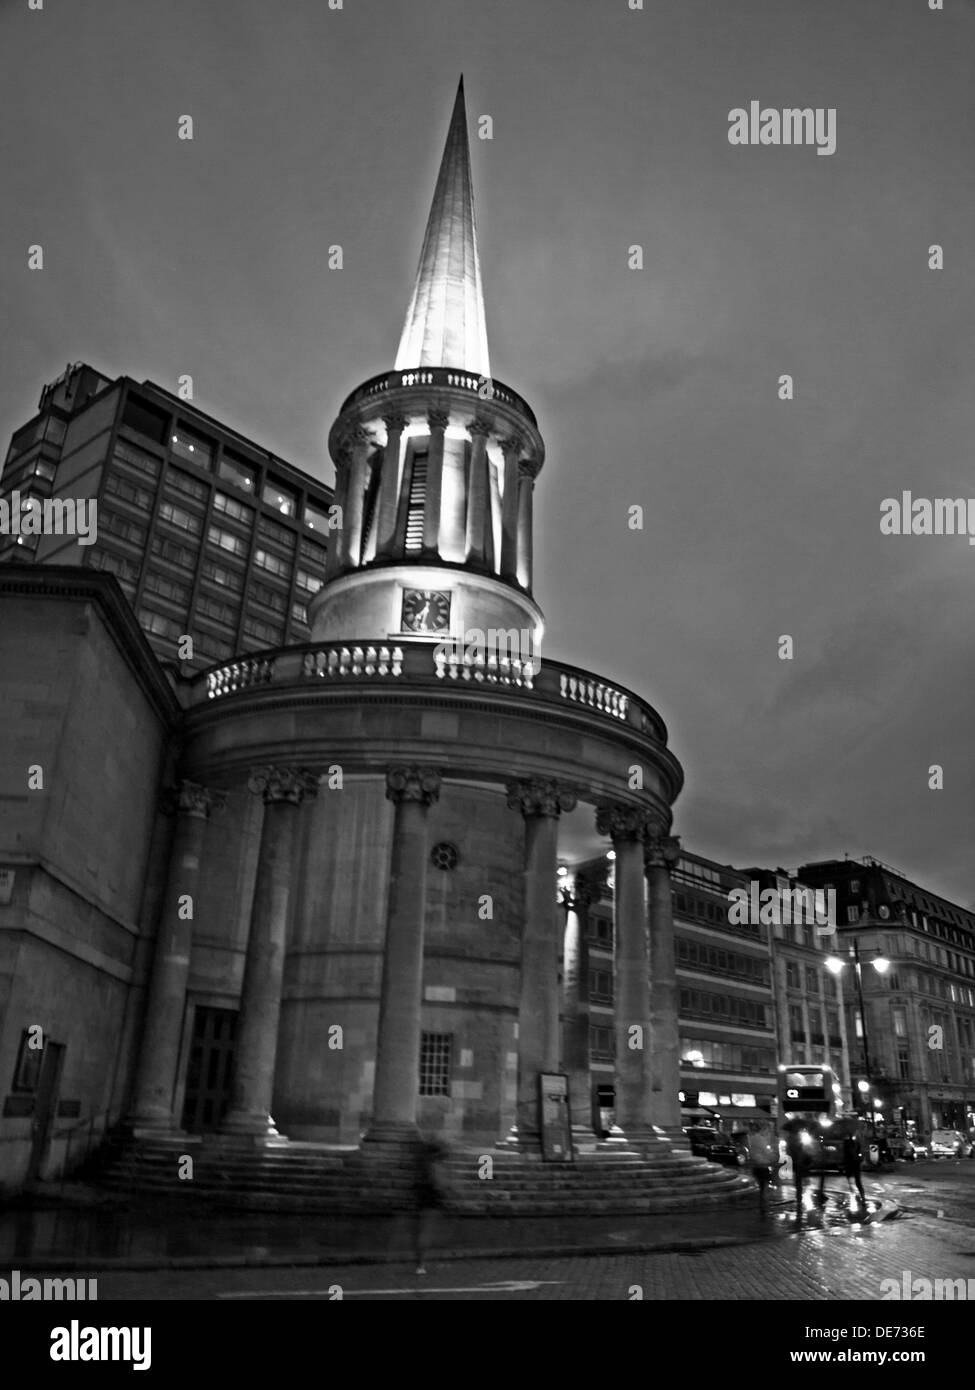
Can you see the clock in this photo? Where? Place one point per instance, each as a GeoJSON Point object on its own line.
{"type": "Point", "coordinates": [426, 610]}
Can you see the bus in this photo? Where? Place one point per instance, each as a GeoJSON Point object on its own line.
{"type": "Point", "coordinates": [807, 1093]}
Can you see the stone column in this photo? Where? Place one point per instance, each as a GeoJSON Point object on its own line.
{"type": "Point", "coordinates": [511, 449]}
{"type": "Point", "coordinates": [575, 994]}
{"type": "Point", "coordinates": [335, 556]}
{"type": "Point", "coordinates": [541, 802]}
{"type": "Point", "coordinates": [396, 1090]}
{"type": "Point", "coordinates": [152, 1107]}
{"type": "Point", "coordinates": [526, 486]}
{"type": "Point", "coordinates": [359, 441]}
{"type": "Point", "coordinates": [437, 420]}
{"type": "Point", "coordinates": [626, 825]}
{"type": "Point", "coordinates": [661, 854]}
{"type": "Point", "coordinates": [283, 789]}
{"type": "Point", "coordinates": [478, 500]}
{"type": "Point", "coordinates": [385, 527]}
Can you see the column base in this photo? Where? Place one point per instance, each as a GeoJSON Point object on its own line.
{"type": "Point", "coordinates": [151, 1125]}
{"type": "Point", "coordinates": [390, 1139]}
{"type": "Point", "coordinates": [253, 1129]}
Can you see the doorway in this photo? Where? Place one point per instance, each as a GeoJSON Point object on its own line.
{"type": "Point", "coordinates": [45, 1108]}
{"type": "Point", "coordinates": [209, 1073]}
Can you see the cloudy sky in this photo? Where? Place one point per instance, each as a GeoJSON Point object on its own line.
{"type": "Point", "coordinates": [656, 387]}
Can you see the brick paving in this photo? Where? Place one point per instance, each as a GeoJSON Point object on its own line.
{"type": "Point", "coordinates": [832, 1264]}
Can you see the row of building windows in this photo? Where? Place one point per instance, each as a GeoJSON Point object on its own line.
{"type": "Point", "coordinates": [184, 442]}
{"type": "Point", "coordinates": [817, 981]}
{"type": "Point", "coordinates": [726, 1056]}
{"type": "Point", "coordinates": [698, 955]}
{"type": "Point", "coordinates": [716, 913]}
{"type": "Point", "coordinates": [817, 1035]}
{"type": "Point", "coordinates": [746, 1013]}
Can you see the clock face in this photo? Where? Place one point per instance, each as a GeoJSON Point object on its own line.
{"type": "Point", "coordinates": [426, 610]}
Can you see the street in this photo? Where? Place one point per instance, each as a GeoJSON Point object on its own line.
{"type": "Point", "coordinates": [921, 1223]}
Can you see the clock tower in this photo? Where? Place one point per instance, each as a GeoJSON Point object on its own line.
{"type": "Point", "coordinates": [435, 464]}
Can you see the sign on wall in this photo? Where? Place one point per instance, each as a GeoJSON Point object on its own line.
{"type": "Point", "coordinates": [554, 1119]}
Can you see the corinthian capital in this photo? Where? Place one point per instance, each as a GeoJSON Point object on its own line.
{"type": "Point", "coordinates": [413, 784]}
{"type": "Point", "coordinates": [438, 419]}
{"type": "Point", "coordinates": [661, 851]}
{"type": "Point", "coordinates": [190, 799]}
{"type": "Point", "coordinates": [512, 444]}
{"type": "Point", "coordinates": [396, 422]}
{"type": "Point", "coordinates": [588, 889]}
{"type": "Point", "coordinates": [540, 796]}
{"type": "Point", "coordinates": [478, 426]}
{"type": "Point", "coordinates": [283, 784]}
{"type": "Point", "coordinates": [622, 822]}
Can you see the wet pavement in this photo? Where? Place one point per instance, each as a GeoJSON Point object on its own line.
{"type": "Point", "coordinates": [82, 1232]}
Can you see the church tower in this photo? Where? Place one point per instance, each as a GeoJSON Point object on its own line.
{"type": "Point", "coordinates": [436, 463]}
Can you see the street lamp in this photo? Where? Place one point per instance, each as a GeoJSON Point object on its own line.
{"type": "Point", "coordinates": [881, 964]}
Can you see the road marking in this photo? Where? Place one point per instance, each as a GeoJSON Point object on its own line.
{"type": "Point", "coordinates": [504, 1286]}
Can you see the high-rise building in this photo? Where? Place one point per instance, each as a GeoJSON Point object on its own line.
{"type": "Point", "coordinates": [210, 537]}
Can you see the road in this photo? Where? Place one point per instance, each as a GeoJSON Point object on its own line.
{"type": "Point", "coordinates": [833, 1258]}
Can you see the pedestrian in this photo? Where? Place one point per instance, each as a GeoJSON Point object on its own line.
{"type": "Point", "coordinates": [761, 1155]}
{"type": "Point", "coordinates": [804, 1147]}
{"type": "Point", "coordinates": [429, 1196]}
{"type": "Point", "coordinates": [853, 1160]}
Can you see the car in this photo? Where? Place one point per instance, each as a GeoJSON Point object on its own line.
{"type": "Point", "coordinates": [712, 1144]}
{"type": "Point", "coordinates": [949, 1143]}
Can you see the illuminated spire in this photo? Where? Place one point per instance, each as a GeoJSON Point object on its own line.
{"type": "Point", "coordinates": [445, 324]}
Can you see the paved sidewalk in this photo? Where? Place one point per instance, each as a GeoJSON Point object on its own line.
{"type": "Point", "coordinates": [74, 1236]}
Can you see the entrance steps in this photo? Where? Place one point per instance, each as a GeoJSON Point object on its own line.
{"type": "Point", "coordinates": [485, 1181]}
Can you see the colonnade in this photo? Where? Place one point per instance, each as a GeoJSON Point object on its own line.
{"type": "Point", "coordinates": [647, 1049]}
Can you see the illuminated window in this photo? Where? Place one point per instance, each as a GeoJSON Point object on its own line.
{"type": "Point", "coordinates": [315, 519]}
{"type": "Point", "coordinates": [178, 516]}
{"type": "Point", "coordinates": [229, 506]}
{"type": "Point", "coordinates": [280, 497]}
{"type": "Point", "coordinates": [226, 540]}
{"type": "Point", "coordinates": [236, 470]}
{"type": "Point", "coordinates": [194, 447]}
{"type": "Point", "coordinates": [272, 563]}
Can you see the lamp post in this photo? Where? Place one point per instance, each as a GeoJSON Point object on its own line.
{"type": "Point", "coordinates": [881, 964]}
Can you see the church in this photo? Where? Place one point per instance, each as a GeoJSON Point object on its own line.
{"type": "Point", "coordinates": [338, 891]}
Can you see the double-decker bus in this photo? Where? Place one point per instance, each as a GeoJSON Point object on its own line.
{"type": "Point", "coordinates": [807, 1093]}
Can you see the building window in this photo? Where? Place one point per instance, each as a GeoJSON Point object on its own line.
{"type": "Point", "coordinates": [600, 987]}
{"type": "Point", "coordinates": [226, 540]}
{"type": "Point", "coordinates": [136, 458]}
{"type": "Point", "coordinates": [275, 599]}
{"type": "Point", "coordinates": [309, 582]}
{"type": "Point", "coordinates": [175, 554]}
{"type": "Point", "coordinates": [184, 483]}
{"type": "Point", "coordinates": [601, 932]}
{"type": "Point", "coordinates": [263, 632]}
{"type": "Point", "coordinates": [229, 506]}
{"type": "Point", "coordinates": [315, 554]}
{"type": "Point", "coordinates": [812, 980]}
{"type": "Point", "coordinates": [792, 977]}
{"type": "Point", "coordinates": [444, 856]}
{"type": "Point", "coordinates": [158, 625]}
{"type": "Point", "coordinates": [435, 1049]}
{"type": "Point", "coordinates": [205, 645]}
{"type": "Point", "coordinates": [272, 563]}
{"type": "Point", "coordinates": [903, 1063]}
{"type": "Point", "coordinates": [315, 519]}
{"type": "Point", "coordinates": [280, 497]}
{"type": "Point", "coordinates": [278, 535]}
{"type": "Point", "coordinates": [833, 1028]}
{"type": "Point", "coordinates": [299, 614]}
{"type": "Point", "coordinates": [116, 486]}
{"type": "Point", "coordinates": [121, 526]}
{"type": "Point", "coordinates": [238, 471]}
{"type": "Point", "coordinates": [217, 612]}
{"type": "Point", "coordinates": [601, 1044]}
{"type": "Point", "coordinates": [167, 588]}
{"type": "Point", "coordinates": [106, 560]}
{"type": "Point", "coordinates": [900, 1022]}
{"type": "Point", "coordinates": [852, 913]}
{"type": "Point", "coordinates": [797, 1028]}
{"type": "Point", "coordinates": [816, 1035]}
{"type": "Point", "coordinates": [177, 516]}
{"type": "Point", "coordinates": [191, 446]}
{"type": "Point", "coordinates": [223, 577]}
{"type": "Point", "coordinates": [145, 419]}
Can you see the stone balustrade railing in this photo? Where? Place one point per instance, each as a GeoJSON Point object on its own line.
{"type": "Point", "coordinates": [439, 376]}
{"type": "Point", "coordinates": [434, 665]}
